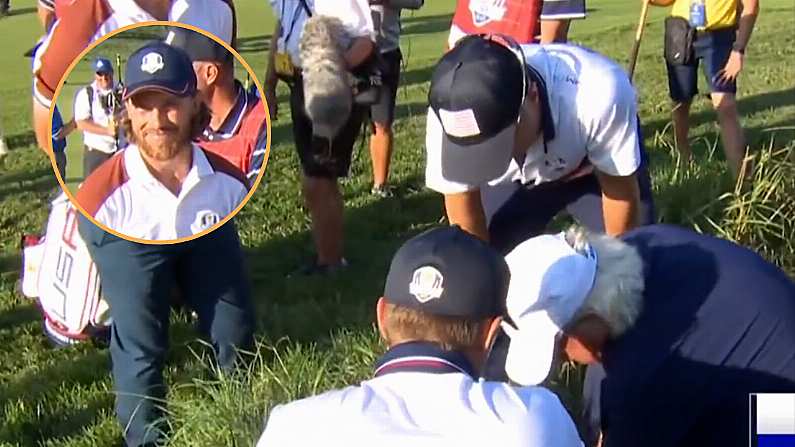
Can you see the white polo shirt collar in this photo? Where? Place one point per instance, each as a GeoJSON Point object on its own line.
{"type": "Point", "coordinates": [138, 171]}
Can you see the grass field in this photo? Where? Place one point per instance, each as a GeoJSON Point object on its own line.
{"type": "Point", "coordinates": [317, 333]}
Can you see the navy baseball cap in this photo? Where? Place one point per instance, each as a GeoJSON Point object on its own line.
{"type": "Point", "coordinates": [448, 272]}
{"type": "Point", "coordinates": [102, 65]}
{"type": "Point", "coordinates": [477, 90]}
{"type": "Point", "coordinates": [197, 46]}
{"type": "Point", "coordinates": [159, 66]}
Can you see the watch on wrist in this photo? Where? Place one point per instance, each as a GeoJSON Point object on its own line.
{"type": "Point", "coordinates": [738, 48]}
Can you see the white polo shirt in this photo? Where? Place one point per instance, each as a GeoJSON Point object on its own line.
{"type": "Point", "coordinates": [124, 195]}
{"type": "Point", "coordinates": [354, 15]}
{"type": "Point", "coordinates": [86, 108]}
{"type": "Point", "coordinates": [415, 408]}
{"type": "Point", "coordinates": [594, 113]}
{"type": "Point", "coordinates": [84, 21]}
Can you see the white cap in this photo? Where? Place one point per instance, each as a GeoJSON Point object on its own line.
{"type": "Point", "coordinates": [549, 282]}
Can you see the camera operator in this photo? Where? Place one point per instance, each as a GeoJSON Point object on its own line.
{"type": "Point", "coordinates": [94, 109]}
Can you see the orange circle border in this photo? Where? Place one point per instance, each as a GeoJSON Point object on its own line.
{"type": "Point", "coordinates": [237, 56]}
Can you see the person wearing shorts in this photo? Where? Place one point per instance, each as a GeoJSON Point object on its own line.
{"type": "Point", "coordinates": [719, 45]}
{"type": "Point", "coordinates": [386, 21]}
{"type": "Point", "coordinates": [323, 159]}
{"type": "Point", "coordinates": [556, 17]}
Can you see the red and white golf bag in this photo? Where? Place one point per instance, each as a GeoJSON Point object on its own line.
{"type": "Point", "coordinates": [59, 273]}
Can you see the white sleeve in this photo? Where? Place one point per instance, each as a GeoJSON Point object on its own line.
{"type": "Point", "coordinates": [434, 178]}
{"type": "Point", "coordinates": [272, 435]}
{"type": "Point", "coordinates": [354, 14]}
{"type": "Point", "coordinates": [82, 110]}
{"type": "Point", "coordinates": [550, 424]}
{"type": "Point", "coordinates": [614, 140]}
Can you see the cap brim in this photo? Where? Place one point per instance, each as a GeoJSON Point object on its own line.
{"type": "Point", "coordinates": [135, 89]}
{"type": "Point", "coordinates": [478, 163]}
{"type": "Point", "coordinates": [531, 349]}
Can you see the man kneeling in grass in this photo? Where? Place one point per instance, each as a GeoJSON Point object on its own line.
{"type": "Point", "coordinates": [444, 297]}
{"type": "Point", "coordinates": [679, 328]}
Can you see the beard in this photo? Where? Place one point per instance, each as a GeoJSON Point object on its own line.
{"type": "Point", "coordinates": [167, 148]}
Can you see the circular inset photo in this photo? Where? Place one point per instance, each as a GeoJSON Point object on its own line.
{"type": "Point", "coordinates": [159, 133]}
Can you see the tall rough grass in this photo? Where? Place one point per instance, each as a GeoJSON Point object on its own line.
{"type": "Point", "coordinates": [759, 212]}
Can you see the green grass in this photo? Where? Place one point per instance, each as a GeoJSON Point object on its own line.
{"type": "Point", "coordinates": [316, 334]}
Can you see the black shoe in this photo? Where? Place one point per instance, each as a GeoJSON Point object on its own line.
{"type": "Point", "coordinates": [312, 268]}
{"type": "Point", "coordinates": [382, 191]}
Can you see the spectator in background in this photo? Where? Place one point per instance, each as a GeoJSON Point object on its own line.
{"type": "Point", "coordinates": [46, 12]}
{"type": "Point", "coordinates": [556, 17]}
{"type": "Point", "coordinates": [723, 30]}
{"type": "Point", "coordinates": [94, 114]}
{"type": "Point", "coordinates": [60, 131]}
{"type": "Point", "coordinates": [324, 151]}
{"type": "Point", "coordinates": [3, 146]}
{"type": "Point", "coordinates": [386, 22]}
{"type": "Point", "coordinates": [238, 130]}
{"type": "Point", "coordinates": [77, 29]}
{"type": "Point", "coordinates": [515, 18]}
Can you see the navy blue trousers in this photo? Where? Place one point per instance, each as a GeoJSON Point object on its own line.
{"type": "Point", "coordinates": [137, 281]}
{"type": "Point", "coordinates": [528, 212]}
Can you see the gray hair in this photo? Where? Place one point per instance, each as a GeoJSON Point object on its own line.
{"type": "Point", "coordinates": [617, 292]}
{"type": "Point", "coordinates": [328, 96]}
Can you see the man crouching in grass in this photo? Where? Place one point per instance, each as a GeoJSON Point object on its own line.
{"type": "Point", "coordinates": [442, 305]}
{"type": "Point", "coordinates": [163, 187]}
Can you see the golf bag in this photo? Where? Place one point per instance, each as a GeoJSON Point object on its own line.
{"type": "Point", "coordinates": [58, 272]}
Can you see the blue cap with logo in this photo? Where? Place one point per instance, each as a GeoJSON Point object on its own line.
{"type": "Point", "coordinates": [448, 272]}
{"type": "Point", "coordinates": [159, 66]}
{"type": "Point", "coordinates": [103, 66]}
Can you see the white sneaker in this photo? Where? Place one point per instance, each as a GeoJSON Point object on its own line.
{"type": "Point", "coordinates": [3, 147]}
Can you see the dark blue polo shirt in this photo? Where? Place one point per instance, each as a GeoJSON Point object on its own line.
{"type": "Point", "coordinates": [718, 323]}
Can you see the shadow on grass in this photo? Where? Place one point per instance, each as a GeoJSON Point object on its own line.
{"type": "Point", "coordinates": [253, 44]}
{"type": "Point", "coordinates": [20, 11]}
{"type": "Point", "coordinates": [416, 76]}
{"type": "Point", "coordinates": [19, 315]}
{"type": "Point", "coordinates": [47, 390]}
{"type": "Point", "coordinates": [307, 308]}
{"type": "Point", "coordinates": [23, 139]}
{"type": "Point", "coordinates": [426, 24]}
{"type": "Point", "coordinates": [40, 180]}
{"type": "Point", "coordinates": [746, 106]}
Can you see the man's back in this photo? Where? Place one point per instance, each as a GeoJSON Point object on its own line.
{"type": "Point", "coordinates": [422, 409]}
{"type": "Point", "coordinates": [718, 322]}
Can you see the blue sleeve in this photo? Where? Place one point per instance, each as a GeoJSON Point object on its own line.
{"type": "Point", "coordinates": [58, 145]}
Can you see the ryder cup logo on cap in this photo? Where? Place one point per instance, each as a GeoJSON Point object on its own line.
{"type": "Point", "coordinates": [447, 271]}
{"type": "Point", "coordinates": [103, 66]}
{"type": "Point", "coordinates": [152, 63]}
{"type": "Point", "coordinates": [426, 284]}
{"type": "Point", "coordinates": [158, 66]}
